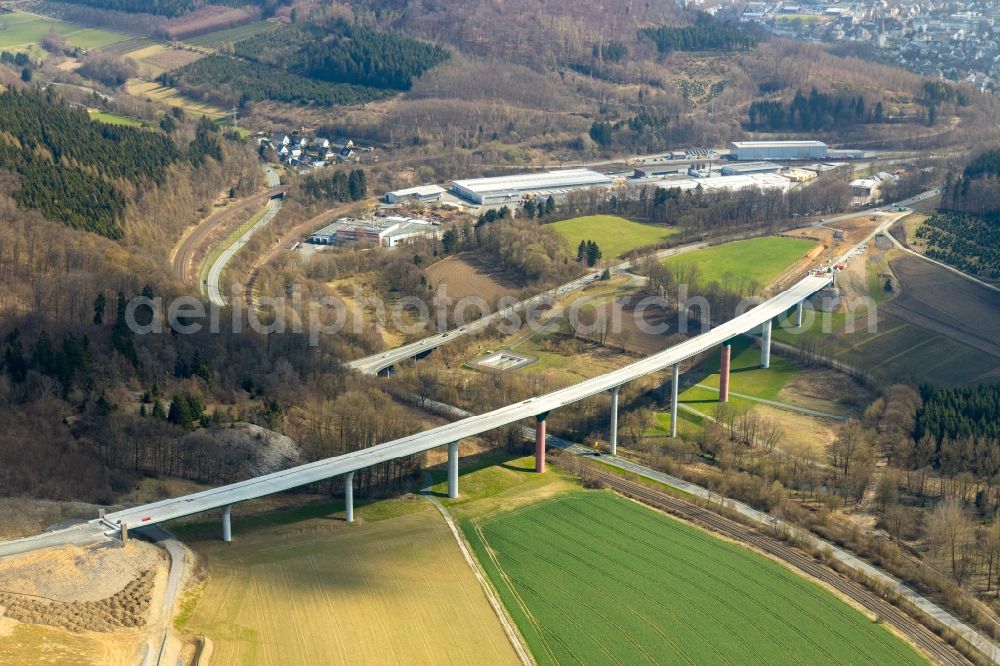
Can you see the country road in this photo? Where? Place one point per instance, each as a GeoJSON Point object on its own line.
{"type": "Point", "coordinates": [266, 215]}
{"type": "Point", "coordinates": [192, 244]}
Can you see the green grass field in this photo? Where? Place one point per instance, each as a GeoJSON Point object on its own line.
{"type": "Point", "coordinates": [592, 578]}
{"type": "Point", "coordinates": [21, 30]}
{"type": "Point", "coordinates": [116, 119]}
{"type": "Point", "coordinates": [614, 235]}
{"type": "Point", "coordinates": [761, 260]}
{"type": "Point", "coordinates": [213, 40]}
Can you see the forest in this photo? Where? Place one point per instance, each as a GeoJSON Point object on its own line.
{"type": "Point", "coordinates": [706, 34]}
{"type": "Point", "coordinates": [819, 111]}
{"type": "Point", "coordinates": [69, 162]}
{"type": "Point", "coordinates": [968, 242]}
{"type": "Point", "coordinates": [337, 186]}
{"type": "Point", "coordinates": [977, 189]}
{"type": "Point", "coordinates": [961, 425]}
{"type": "Point", "coordinates": [345, 53]}
{"type": "Point", "coordinates": [225, 80]}
{"type": "Point", "coordinates": [964, 411]}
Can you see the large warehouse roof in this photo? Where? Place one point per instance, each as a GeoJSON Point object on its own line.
{"type": "Point", "coordinates": [778, 144]}
{"type": "Point", "coordinates": [548, 180]}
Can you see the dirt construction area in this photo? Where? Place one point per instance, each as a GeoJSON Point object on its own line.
{"type": "Point", "coordinates": [938, 300]}
{"type": "Point", "coordinates": [468, 276]}
{"type": "Point", "coordinates": [76, 605]}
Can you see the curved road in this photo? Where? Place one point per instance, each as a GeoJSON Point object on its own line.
{"type": "Point", "coordinates": [213, 287]}
{"type": "Point", "coordinates": [190, 246]}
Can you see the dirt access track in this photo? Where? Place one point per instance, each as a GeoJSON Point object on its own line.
{"type": "Point", "coordinates": [936, 299]}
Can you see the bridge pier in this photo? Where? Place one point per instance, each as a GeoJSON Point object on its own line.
{"type": "Point", "coordinates": [227, 524]}
{"type": "Point", "coordinates": [765, 346]}
{"type": "Point", "coordinates": [614, 420]}
{"type": "Point", "coordinates": [453, 470]}
{"type": "Point", "coordinates": [674, 381]}
{"type": "Point", "coordinates": [798, 314]}
{"type": "Point", "coordinates": [727, 350]}
{"type": "Point", "coordinates": [540, 442]}
{"type": "Point", "coordinates": [349, 497]}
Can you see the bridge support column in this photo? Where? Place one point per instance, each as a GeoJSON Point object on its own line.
{"type": "Point", "coordinates": [765, 346]}
{"type": "Point", "coordinates": [227, 523]}
{"type": "Point", "coordinates": [674, 382]}
{"type": "Point", "coordinates": [614, 420]}
{"type": "Point", "coordinates": [540, 442]}
{"type": "Point", "coordinates": [349, 497]}
{"type": "Point", "coordinates": [727, 349]}
{"type": "Point", "coordinates": [453, 470]}
{"type": "Point", "coordinates": [798, 314]}
{"type": "Point", "coordinates": [124, 533]}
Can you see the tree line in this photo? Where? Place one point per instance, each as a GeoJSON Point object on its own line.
{"type": "Point", "coordinates": [698, 210]}
{"type": "Point", "coordinates": [818, 111]}
{"type": "Point", "coordinates": [706, 34]}
{"type": "Point", "coordinates": [336, 186]}
{"type": "Point", "coordinates": [345, 53]}
{"type": "Point", "coordinates": [226, 81]}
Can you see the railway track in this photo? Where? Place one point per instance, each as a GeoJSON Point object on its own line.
{"type": "Point", "coordinates": [190, 247]}
{"type": "Point", "coordinates": [932, 645]}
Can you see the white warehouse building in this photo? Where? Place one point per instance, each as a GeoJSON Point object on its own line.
{"type": "Point", "coordinates": [511, 189]}
{"type": "Point", "coordinates": [778, 150]}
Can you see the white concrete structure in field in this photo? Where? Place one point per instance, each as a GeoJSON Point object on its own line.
{"type": "Point", "coordinates": [423, 193]}
{"type": "Point", "coordinates": [778, 150]}
{"type": "Point", "coordinates": [511, 189]}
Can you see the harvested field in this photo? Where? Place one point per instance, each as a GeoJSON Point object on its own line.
{"type": "Point", "coordinates": [160, 58]}
{"type": "Point", "coordinates": [317, 591]}
{"type": "Point", "coordinates": [36, 644]}
{"type": "Point", "coordinates": [916, 333]}
{"type": "Point", "coordinates": [938, 300]}
{"type": "Point", "coordinates": [467, 275]}
{"type": "Point", "coordinates": [157, 93]}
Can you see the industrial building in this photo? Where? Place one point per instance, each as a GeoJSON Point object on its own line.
{"type": "Point", "coordinates": [747, 168]}
{"type": "Point", "coordinates": [512, 189]}
{"type": "Point", "coordinates": [387, 232]}
{"type": "Point", "coordinates": [778, 150]}
{"type": "Point", "coordinates": [760, 181]}
{"type": "Point", "coordinates": [865, 191]}
{"type": "Point", "coordinates": [423, 193]}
